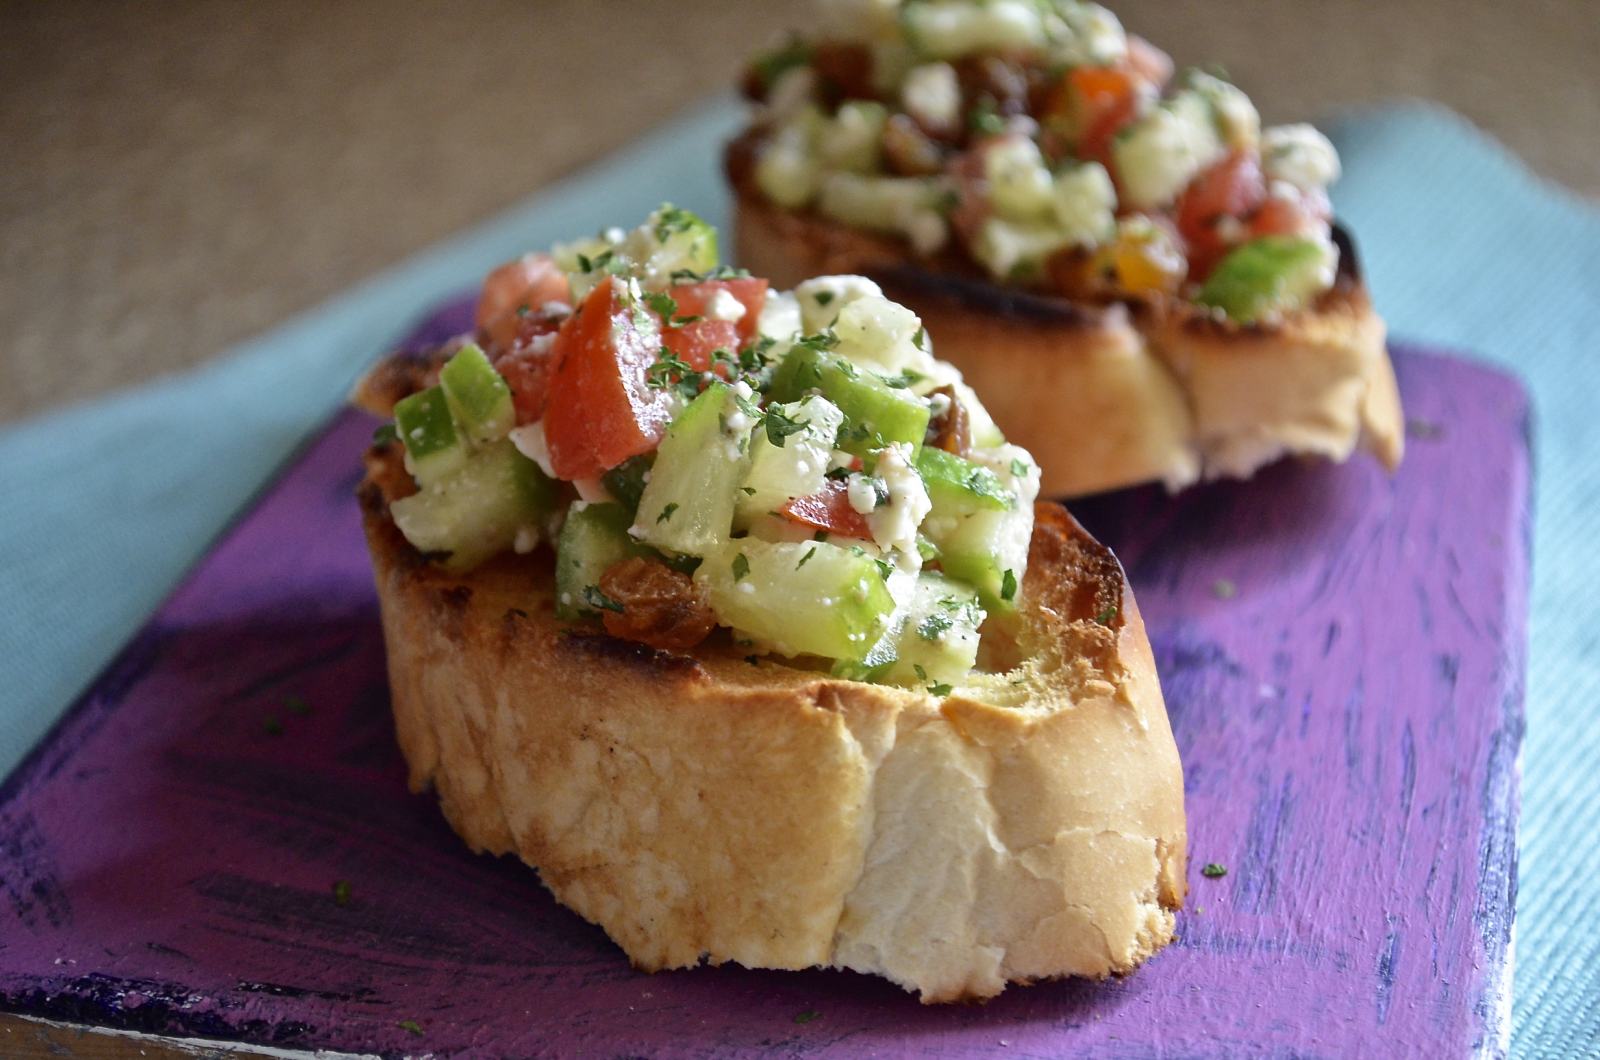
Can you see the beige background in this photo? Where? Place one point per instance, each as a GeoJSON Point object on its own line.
{"type": "Point", "coordinates": [177, 176]}
{"type": "Point", "coordinates": [180, 175]}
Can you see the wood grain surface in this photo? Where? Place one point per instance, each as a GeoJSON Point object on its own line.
{"type": "Point", "coordinates": [185, 174]}
{"type": "Point", "coordinates": [1342, 655]}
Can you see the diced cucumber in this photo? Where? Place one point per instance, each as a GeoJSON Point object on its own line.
{"type": "Point", "coordinates": [876, 414]}
{"type": "Point", "coordinates": [626, 481]}
{"type": "Point", "coordinates": [676, 239]}
{"type": "Point", "coordinates": [938, 640]}
{"type": "Point", "coordinates": [1020, 188]}
{"type": "Point", "coordinates": [687, 506]}
{"type": "Point", "coordinates": [947, 29]}
{"type": "Point", "coordinates": [1015, 250]}
{"type": "Point", "coordinates": [434, 449]}
{"type": "Point", "coordinates": [593, 539]}
{"type": "Point", "coordinates": [788, 170]}
{"type": "Point", "coordinates": [1271, 274]}
{"type": "Point", "coordinates": [476, 511]}
{"type": "Point", "coordinates": [852, 138]}
{"type": "Point", "coordinates": [956, 485]}
{"type": "Point", "coordinates": [796, 465]}
{"type": "Point", "coordinates": [803, 598]}
{"type": "Point", "coordinates": [904, 206]}
{"type": "Point", "coordinates": [1158, 155]}
{"type": "Point", "coordinates": [882, 335]}
{"type": "Point", "coordinates": [478, 396]}
{"type": "Point", "coordinates": [988, 550]}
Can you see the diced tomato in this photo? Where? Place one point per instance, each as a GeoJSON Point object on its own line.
{"type": "Point", "coordinates": [828, 509]}
{"type": "Point", "coordinates": [526, 370]}
{"type": "Point", "coordinates": [694, 343]}
{"type": "Point", "coordinates": [1106, 98]}
{"type": "Point", "coordinates": [1152, 64]}
{"type": "Point", "coordinates": [600, 408]}
{"type": "Point", "coordinates": [1300, 214]}
{"type": "Point", "coordinates": [1232, 188]}
{"type": "Point", "coordinates": [525, 284]}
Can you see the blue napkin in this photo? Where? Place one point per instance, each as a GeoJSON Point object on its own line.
{"type": "Point", "coordinates": [108, 503]}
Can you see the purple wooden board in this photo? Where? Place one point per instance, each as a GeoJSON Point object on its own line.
{"type": "Point", "coordinates": [1349, 721]}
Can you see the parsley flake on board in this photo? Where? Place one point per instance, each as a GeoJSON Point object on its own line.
{"type": "Point", "coordinates": [297, 705]}
{"type": "Point", "coordinates": [598, 600]}
{"type": "Point", "coordinates": [1223, 589]}
{"type": "Point", "coordinates": [341, 893]}
{"type": "Point", "coordinates": [741, 567]}
{"type": "Point", "coordinates": [808, 1015]}
{"type": "Point", "coordinates": [666, 513]}
{"type": "Point", "coordinates": [1008, 585]}
{"type": "Point", "coordinates": [1213, 871]}
{"type": "Point", "coordinates": [272, 726]}
{"type": "Point", "coordinates": [410, 1027]}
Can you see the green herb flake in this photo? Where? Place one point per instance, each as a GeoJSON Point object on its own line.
{"type": "Point", "coordinates": [1008, 585]}
{"type": "Point", "coordinates": [808, 1015]}
{"type": "Point", "coordinates": [385, 434]}
{"type": "Point", "coordinates": [665, 306]}
{"type": "Point", "coordinates": [779, 426]}
{"type": "Point", "coordinates": [666, 513]}
{"type": "Point", "coordinates": [272, 726]}
{"type": "Point", "coordinates": [341, 893]}
{"type": "Point", "coordinates": [824, 297]}
{"type": "Point", "coordinates": [885, 568]}
{"type": "Point", "coordinates": [1214, 871]}
{"type": "Point", "coordinates": [1223, 589]}
{"type": "Point", "coordinates": [599, 600]}
{"type": "Point", "coordinates": [935, 626]}
{"type": "Point", "coordinates": [920, 339]}
{"type": "Point", "coordinates": [411, 1027]}
{"type": "Point", "coordinates": [741, 567]}
{"type": "Point", "coordinates": [1019, 468]}
{"type": "Point", "coordinates": [584, 263]}
{"type": "Point", "coordinates": [812, 551]}
{"type": "Point", "coordinates": [941, 689]}
{"type": "Point", "coordinates": [297, 705]}
{"type": "Point", "coordinates": [1106, 617]}
{"type": "Point", "coordinates": [748, 491]}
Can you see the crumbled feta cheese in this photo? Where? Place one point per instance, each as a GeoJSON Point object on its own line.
{"type": "Point", "coordinates": [1085, 204]}
{"type": "Point", "coordinates": [822, 297]}
{"type": "Point", "coordinates": [894, 523]}
{"type": "Point", "coordinates": [793, 90]}
{"type": "Point", "coordinates": [1086, 34]}
{"type": "Point", "coordinates": [530, 442]}
{"type": "Point", "coordinates": [1299, 154]}
{"type": "Point", "coordinates": [724, 306]}
{"type": "Point", "coordinates": [949, 30]}
{"type": "Point", "coordinates": [526, 541]}
{"type": "Point", "coordinates": [1236, 117]}
{"type": "Point", "coordinates": [780, 316]}
{"type": "Point", "coordinates": [931, 93]}
{"type": "Point", "coordinates": [1163, 151]}
{"type": "Point", "coordinates": [862, 494]}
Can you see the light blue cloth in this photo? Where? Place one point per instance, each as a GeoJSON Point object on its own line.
{"type": "Point", "coordinates": [108, 503]}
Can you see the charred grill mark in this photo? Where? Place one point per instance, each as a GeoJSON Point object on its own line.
{"type": "Point", "coordinates": [645, 659]}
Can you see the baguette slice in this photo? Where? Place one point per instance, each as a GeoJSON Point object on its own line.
{"type": "Point", "coordinates": [1115, 395]}
{"type": "Point", "coordinates": [702, 807]}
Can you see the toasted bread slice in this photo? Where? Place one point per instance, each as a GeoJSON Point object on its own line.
{"type": "Point", "coordinates": [1114, 395]}
{"type": "Point", "coordinates": [717, 807]}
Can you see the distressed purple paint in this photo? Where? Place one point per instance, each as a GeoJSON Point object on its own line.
{"type": "Point", "coordinates": [1349, 719]}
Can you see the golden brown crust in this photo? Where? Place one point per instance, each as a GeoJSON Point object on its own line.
{"type": "Point", "coordinates": [700, 807]}
{"type": "Point", "coordinates": [1107, 395]}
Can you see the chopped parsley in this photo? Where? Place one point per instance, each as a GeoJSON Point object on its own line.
{"type": "Point", "coordinates": [341, 893]}
{"type": "Point", "coordinates": [885, 568]}
{"type": "Point", "coordinates": [940, 689]}
{"type": "Point", "coordinates": [920, 339]}
{"type": "Point", "coordinates": [1008, 585]}
{"type": "Point", "coordinates": [808, 1015]}
{"type": "Point", "coordinates": [741, 567]}
{"type": "Point", "coordinates": [385, 434]}
{"type": "Point", "coordinates": [824, 297]}
{"type": "Point", "coordinates": [272, 726]}
{"type": "Point", "coordinates": [297, 705]}
{"type": "Point", "coordinates": [935, 625]}
{"type": "Point", "coordinates": [410, 1027]}
{"type": "Point", "coordinates": [812, 551]}
{"type": "Point", "coordinates": [666, 513]}
{"type": "Point", "coordinates": [1106, 617]}
{"type": "Point", "coordinates": [748, 491]}
{"type": "Point", "coordinates": [1019, 468]}
{"type": "Point", "coordinates": [985, 118]}
{"type": "Point", "coordinates": [1214, 871]}
{"type": "Point", "coordinates": [598, 600]}
{"type": "Point", "coordinates": [780, 426]}
{"type": "Point", "coordinates": [1223, 589]}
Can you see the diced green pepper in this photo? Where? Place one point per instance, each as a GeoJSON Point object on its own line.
{"type": "Point", "coordinates": [477, 511]}
{"type": "Point", "coordinates": [478, 396]}
{"type": "Point", "coordinates": [428, 431]}
{"type": "Point", "coordinates": [1271, 274]}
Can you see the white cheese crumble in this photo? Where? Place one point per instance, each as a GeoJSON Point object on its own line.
{"type": "Point", "coordinates": [894, 523]}
{"type": "Point", "coordinates": [1299, 154]}
{"type": "Point", "coordinates": [592, 490]}
{"type": "Point", "coordinates": [822, 297]}
{"type": "Point", "coordinates": [931, 93]}
{"type": "Point", "coordinates": [530, 442]}
{"type": "Point", "coordinates": [724, 306]}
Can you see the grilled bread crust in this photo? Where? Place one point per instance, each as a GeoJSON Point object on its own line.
{"type": "Point", "coordinates": [707, 807]}
{"type": "Point", "coordinates": [1107, 396]}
